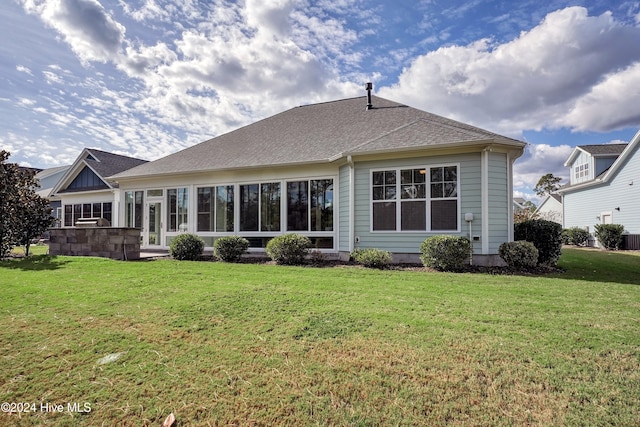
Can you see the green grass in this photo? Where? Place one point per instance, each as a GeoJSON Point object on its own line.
{"type": "Point", "coordinates": [227, 344]}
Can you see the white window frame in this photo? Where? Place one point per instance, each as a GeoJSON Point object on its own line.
{"type": "Point", "coordinates": [398, 200]}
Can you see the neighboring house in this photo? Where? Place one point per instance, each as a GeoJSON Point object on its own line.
{"type": "Point", "coordinates": [347, 174]}
{"type": "Point", "coordinates": [84, 192]}
{"type": "Point", "coordinates": [48, 178]}
{"type": "Point", "coordinates": [550, 208]}
{"type": "Point", "coordinates": [604, 186]}
{"type": "Point", "coordinates": [519, 205]}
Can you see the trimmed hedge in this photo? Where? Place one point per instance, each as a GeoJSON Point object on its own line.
{"type": "Point", "coordinates": [546, 237]}
{"type": "Point", "coordinates": [445, 253]}
{"type": "Point", "coordinates": [289, 249]}
{"type": "Point", "coordinates": [575, 236]}
{"type": "Point", "coordinates": [609, 235]}
{"type": "Point", "coordinates": [519, 254]}
{"type": "Point", "coordinates": [230, 248]}
{"type": "Point", "coordinates": [186, 247]}
{"type": "Point", "coordinates": [372, 257]}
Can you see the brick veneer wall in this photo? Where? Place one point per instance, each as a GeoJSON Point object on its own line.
{"type": "Point", "coordinates": [106, 242]}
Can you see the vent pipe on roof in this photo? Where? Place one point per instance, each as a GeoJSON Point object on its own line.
{"type": "Point", "coordinates": [369, 87]}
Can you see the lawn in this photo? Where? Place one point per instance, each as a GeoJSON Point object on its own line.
{"type": "Point", "coordinates": [259, 344]}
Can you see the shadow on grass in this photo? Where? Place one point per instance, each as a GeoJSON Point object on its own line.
{"type": "Point", "coordinates": [34, 263]}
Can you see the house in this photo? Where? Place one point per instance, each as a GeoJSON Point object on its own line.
{"type": "Point", "coordinates": [363, 172]}
{"type": "Point", "coordinates": [550, 209]}
{"type": "Point", "coordinates": [604, 187]}
{"type": "Point", "coordinates": [48, 178]}
{"type": "Point", "coordinates": [83, 190]}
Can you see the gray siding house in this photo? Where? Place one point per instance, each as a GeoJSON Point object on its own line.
{"type": "Point", "coordinates": [604, 187]}
{"type": "Point", "coordinates": [348, 174]}
{"type": "Point", "coordinates": [83, 190]}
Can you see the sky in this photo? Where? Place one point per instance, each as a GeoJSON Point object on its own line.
{"type": "Point", "coordinates": [147, 78]}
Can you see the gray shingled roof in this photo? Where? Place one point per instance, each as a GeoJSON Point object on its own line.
{"type": "Point", "coordinates": [603, 149]}
{"type": "Point", "coordinates": [320, 133]}
{"type": "Point", "coordinates": [107, 164]}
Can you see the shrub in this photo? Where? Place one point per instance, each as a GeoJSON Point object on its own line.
{"type": "Point", "coordinates": [445, 253]}
{"type": "Point", "coordinates": [576, 236]}
{"type": "Point", "coordinates": [186, 247]}
{"type": "Point", "coordinates": [519, 254]}
{"type": "Point", "coordinates": [546, 237]}
{"type": "Point", "coordinates": [371, 257]}
{"type": "Point", "coordinates": [289, 249]}
{"type": "Point", "coordinates": [609, 235]}
{"type": "Point", "coordinates": [230, 248]}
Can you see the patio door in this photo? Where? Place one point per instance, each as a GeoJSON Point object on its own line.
{"type": "Point", "coordinates": [154, 226]}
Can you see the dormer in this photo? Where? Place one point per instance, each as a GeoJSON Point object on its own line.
{"type": "Point", "coordinates": [587, 162]}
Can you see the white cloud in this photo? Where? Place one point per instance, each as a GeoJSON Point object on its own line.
{"type": "Point", "coordinates": [611, 104]}
{"type": "Point", "coordinates": [538, 160]}
{"type": "Point", "coordinates": [548, 77]}
{"type": "Point", "coordinates": [24, 69]}
{"type": "Point", "coordinates": [85, 25]}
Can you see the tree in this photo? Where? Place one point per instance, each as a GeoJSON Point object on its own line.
{"type": "Point", "coordinates": [547, 184]}
{"type": "Point", "coordinates": [24, 215]}
{"type": "Point", "coordinates": [524, 214]}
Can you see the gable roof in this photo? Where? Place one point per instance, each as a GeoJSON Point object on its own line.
{"type": "Point", "coordinates": [318, 133]}
{"type": "Point", "coordinates": [607, 175]}
{"type": "Point", "coordinates": [101, 163]}
{"type": "Point", "coordinates": [596, 150]}
{"type": "Point", "coordinates": [48, 177]}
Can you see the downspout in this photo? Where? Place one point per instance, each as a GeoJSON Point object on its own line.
{"type": "Point", "coordinates": [352, 214]}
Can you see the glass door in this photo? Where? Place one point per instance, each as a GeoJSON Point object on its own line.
{"type": "Point", "coordinates": [154, 224]}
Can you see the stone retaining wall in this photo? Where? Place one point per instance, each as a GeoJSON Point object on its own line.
{"type": "Point", "coordinates": [106, 242]}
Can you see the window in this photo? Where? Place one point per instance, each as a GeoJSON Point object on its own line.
{"type": "Point", "coordinates": [215, 208]}
{"type": "Point", "coordinates": [270, 206]}
{"type": "Point", "coordinates": [249, 205]}
{"type": "Point", "coordinates": [224, 208]}
{"type": "Point", "coordinates": [581, 172]}
{"type": "Point", "coordinates": [205, 209]}
{"type": "Point", "coordinates": [298, 206]}
{"type": "Point", "coordinates": [178, 209]}
{"type": "Point", "coordinates": [260, 207]}
{"type": "Point", "coordinates": [321, 205]}
{"type": "Point", "coordinates": [72, 213]}
{"type": "Point", "coordinates": [133, 208]}
{"type": "Point", "coordinates": [444, 194]}
{"type": "Point", "coordinates": [310, 205]}
{"type": "Point", "coordinates": [428, 199]}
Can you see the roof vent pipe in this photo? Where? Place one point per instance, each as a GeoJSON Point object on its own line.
{"type": "Point", "coordinates": [369, 87]}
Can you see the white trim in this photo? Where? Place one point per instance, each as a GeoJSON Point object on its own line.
{"type": "Point", "coordinates": [510, 162]}
{"type": "Point", "coordinates": [398, 200]}
{"type": "Point", "coordinates": [352, 202]}
{"type": "Point", "coordinates": [484, 190]}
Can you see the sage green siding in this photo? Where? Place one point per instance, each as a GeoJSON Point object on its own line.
{"type": "Point", "coordinates": [409, 242]}
{"type": "Point", "coordinates": [498, 201]}
{"type": "Point", "coordinates": [343, 207]}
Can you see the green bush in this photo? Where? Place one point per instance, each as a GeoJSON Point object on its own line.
{"type": "Point", "coordinates": [546, 237]}
{"type": "Point", "coordinates": [609, 235]}
{"type": "Point", "coordinates": [289, 249]}
{"type": "Point", "coordinates": [575, 236]}
{"type": "Point", "coordinates": [445, 253]}
{"type": "Point", "coordinates": [371, 257]}
{"type": "Point", "coordinates": [186, 247]}
{"type": "Point", "coordinates": [519, 254]}
{"type": "Point", "coordinates": [230, 248]}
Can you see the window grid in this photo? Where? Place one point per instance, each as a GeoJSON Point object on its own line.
{"type": "Point", "coordinates": [416, 209]}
